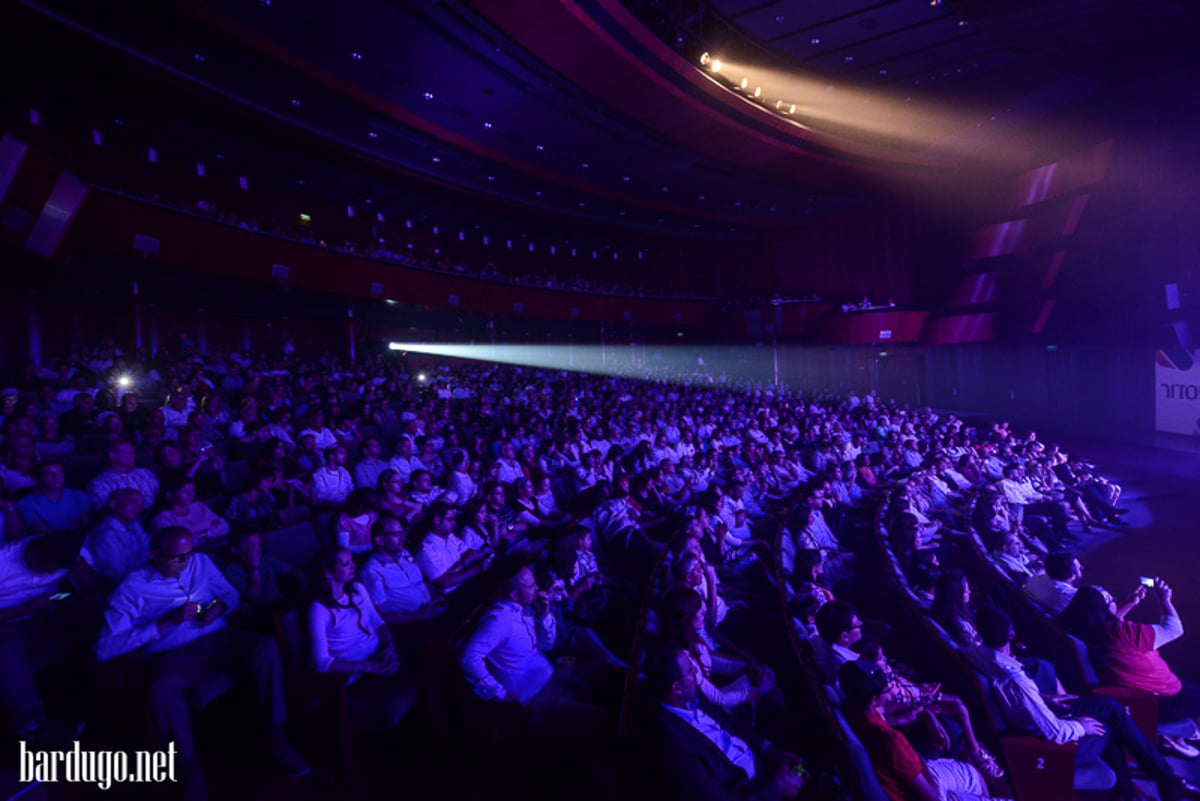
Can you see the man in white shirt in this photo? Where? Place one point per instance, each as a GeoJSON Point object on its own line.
{"type": "Point", "coordinates": [121, 474]}
{"type": "Point", "coordinates": [698, 753]}
{"type": "Point", "coordinates": [33, 630]}
{"type": "Point", "coordinates": [1055, 588]}
{"type": "Point", "coordinates": [393, 580]}
{"type": "Point", "coordinates": [508, 468]}
{"type": "Point", "coordinates": [173, 611]}
{"type": "Point", "coordinates": [460, 482]}
{"type": "Point", "coordinates": [366, 472]}
{"type": "Point", "coordinates": [504, 658]}
{"type": "Point", "coordinates": [404, 462]}
{"type": "Point", "coordinates": [119, 544]}
{"type": "Point", "coordinates": [331, 481]}
{"type": "Point", "coordinates": [443, 557]}
{"type": "Point", "coordinates": [1099, 725]}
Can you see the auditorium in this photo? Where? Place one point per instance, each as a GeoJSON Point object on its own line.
{"type": "Point", "coordinates": [599, 400]}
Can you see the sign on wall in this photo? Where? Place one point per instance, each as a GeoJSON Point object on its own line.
{"type": "Point", "coordinates": [1177, 391]}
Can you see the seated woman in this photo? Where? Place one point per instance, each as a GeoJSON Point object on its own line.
{"type": "Point", "coordinates": [392, 497]}
{"type": "Point", "coordinates": [1126, 654]}
{"type": "Point", "coordinates": [809, 575]}
{"type": "Point", "coordinates": [525, 505]}
{"type": "Point", "coordinates": [182, 509]}
{"type": "Point", "coordinates": [348, 636]}
{"type": "Point", "coordinates": [681, 621]}
{"type": "Point", "coordinates": [352, 526]}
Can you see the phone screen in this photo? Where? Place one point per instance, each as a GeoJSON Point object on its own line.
{"type": "Point", "coordinates": [1147, 581]}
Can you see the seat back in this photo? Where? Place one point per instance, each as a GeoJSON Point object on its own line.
{"type": "Point", "coordinates": [861, 761]}
{"type": "Point", "coordinates": [295, 544]}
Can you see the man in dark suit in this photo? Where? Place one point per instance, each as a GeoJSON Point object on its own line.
{"type": "Point", "coordinates": [700, 756]}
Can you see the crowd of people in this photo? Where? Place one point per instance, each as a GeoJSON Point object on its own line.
{"type": "Point", "coordinates": [526, 516]}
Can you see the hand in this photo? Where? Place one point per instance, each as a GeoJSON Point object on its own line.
{"type": "Point", "coordinates": [1164, 590]}
{"type": "Point", "coordinates": [1137, 596]}
{"type": "Point", "coordinates": [182, 614]}
{"type": "Point", "coordinates": [388, 654]}
{"type": "Point", "coordinates": [210, 613]}
{"type": "Point", "coordinates": [788, 782]}
{"type": "Point", "coordinates": [541, 603]}
{"type": "Point", "coordinates": [1092, 726]}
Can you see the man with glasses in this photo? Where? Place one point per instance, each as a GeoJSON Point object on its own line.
{"type": "Point", "coordinates": [443, 556]}
{"type": "Point", "coordinates": [173, 612]}
{"type": "Point", "coordinates": [838, 627]}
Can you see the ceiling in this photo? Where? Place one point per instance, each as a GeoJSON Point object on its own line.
{"type": "Point", "coordinates": [587, 113]}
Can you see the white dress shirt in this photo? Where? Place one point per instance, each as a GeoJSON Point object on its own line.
{"type": "Point", "coordinates": [1019, 698]}
{"type": "Point", "coordinates": [19, 584]}
{"type": "Point", "coordinates": [114, 550]}
{"type": "Point", "coordinates": [331, 486]}
{"type": "Point", "coordinates": [349, 633]}
{"type": "Point", "coordinates": [439, 554]}
{"type": "Point", "coordinates": [503, 657]}
{"type": "Point", "coordinates": [734, 748]}
{"type": "Point", "coordinates": [131, 620]}
{"type": "Point", "coordinates": [395, 584]}
{"type": "Point", "coordinates": [1051, 593]}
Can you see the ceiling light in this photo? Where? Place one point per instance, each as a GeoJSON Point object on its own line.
{"type": "Point", "coordinates": [962, 23]}
{"type": "Point", "coordinates": [814, 40]}
{"type": "Point", "coordinates": [758, 91]}
{"type": "Point", "coordinates": [199, 59]}
{"type": "Point", "coordinates": [372, 135]}
{"type": "Point", "coordinates": [491, 177]}
{"type": "Point", "coordinates": [356, 56]}
{"type": "Point", "coordinates": [295, 103]}
{"type": "Point", "coordinates": [437, 160]}
{"type": "Point", "coordinates": [429, 95]}
{"type": "Point", "coordinates": [745, 82]}
{"type": "Point", "coordinates": [625, 178]}
{"type": "Point", "coordinates": [779, 18]}
{"type": "Point", "coordinates": [487, 125]}
{"type": "Point", "coordinates": [792, 110]}
{"type": "Point", "coordinates": [848, 59]}
{"type": "Point", "coordinates": [883, 72]}
{"type": "Point", "coordinates": [705, 58]}
{"type": "Point", "coordinates": [716, 65]}
{"type": "Point", "coordinates": [540, 148]}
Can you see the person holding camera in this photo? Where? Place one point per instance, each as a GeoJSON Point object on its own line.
{"type": "Point", "coordinates": [1126, 654]}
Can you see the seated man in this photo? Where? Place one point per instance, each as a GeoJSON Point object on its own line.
{"type": "Point", "coordinates": [121, 474]}
{"type": "Point", "coordinates": [173, 611]}
{"type": "Point", "coordinates": [838, 628]}
{"type": "Point", "coordinates": [1055, 588]}
{"type": "Point", "coordinates": [393, 579]}
{"type": "Point", "coordinates": [33, 630]}
{"type": "Point", "coordinates": [1101, 727]}
{"type": "Point", "coordinates": [263, 582]}
{"type": "Point", "coordinates": [902, 774]}
{"type": "Point", "coordinates": [118, 545]}
{"type": "Point", "coordinates": [50, 508]}
{"type": "Point", "coordinates": [442, 555]}
{"type": "Point", "coordinates": [700, 755]}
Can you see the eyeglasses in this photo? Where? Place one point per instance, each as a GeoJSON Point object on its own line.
{"type": "Point", "coordinates": [175, 557]}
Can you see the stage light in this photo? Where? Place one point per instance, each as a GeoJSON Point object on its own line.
{"type": "Point", "coordinates": [758, 91]}
{"type": "Point", "coordinates": [421, 377]}
{"type": "Point", "coordinates": [745, 82]}
{"type": "Point", "coordinates": [124, 381]}
{"type": "Point", "coordinates": [716, 65]}
{"type": "Point", "coordinates": [705, 58]}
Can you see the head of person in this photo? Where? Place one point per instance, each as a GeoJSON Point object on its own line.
{"type": "Point", "coordinates": [171, 550]}
{"type": "Point", "coordinates": [121, 455]}
{"type": "Point", "coordinates": [389, 483]}
{"type": "Point", "coordinates": [168, 455]}
{"type": "Point", "coordinates": [387, 535]}
{"type": "Point", "coordinates": [50, 476]}
{"type": "Point", "coordinates": [809, 565]}
{"type": "Point", "coordinates": [681, 618]}
{"type": "Point", "coordinates": [246, 546]}
{"type": "Point", "coordinates": [863, 684]}
{"type": "Point", "coordinates": [951, 597]}
{"type": "Point", "coordinates": [520, 588]}
{"type": "Point", "coordinates": [371, 448]}
{"type": "Point", "coordinates": [1063, 566]}
{"type": "Point", "coordinates": [125, 505]}
{"type": "Point", "coordinates": [360, 502]}
{"type": "Point", "coordinates": [995, 627]}
{"type": "Point", "coordinates": [671, 675]}
{"type": "Point", "coordinates": [180, 492]}
{"type": "Point", "coordinates": [838, 624]}
{"type": "Point", "coordinates": [52, 553]}
{"type": "Point", "coordinates": [1089, 613]}
{"type": "Point", "coordinates": [335, 456]}
{"type": "Point", "coordinates": [493, 495]}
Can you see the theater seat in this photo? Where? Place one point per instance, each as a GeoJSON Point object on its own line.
{"type": "Point", "coordinates": [295, 544]}
{"type": "Point", "coordinates": [859, 759]}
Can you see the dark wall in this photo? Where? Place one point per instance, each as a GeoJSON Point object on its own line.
{"type": "Point", "coordinates": [1068, 388]}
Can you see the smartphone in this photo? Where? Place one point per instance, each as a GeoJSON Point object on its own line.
{"type": "Point", "coordinates": [1147, 581]}
{"type": "Point", "coordinates": [60, 596]}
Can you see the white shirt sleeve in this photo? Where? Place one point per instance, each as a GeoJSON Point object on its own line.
{"type": "Point", "coordinates": [490, 634]}
{"type": "Point", "coordinates": [319, 619]}
{"type": "Point", "coordinates": [1169, 630]}
{"type": "Point", "coordinates": [124, 630]}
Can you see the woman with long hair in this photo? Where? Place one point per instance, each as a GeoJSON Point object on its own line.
{"type": "Point", "coordinates": [681, 621]}
{"type": "Point", "coordinates": [347, 634]}
{"type": "Point", "coordinates": [1126, 654]}
{"type": "Point", "coordinates": [952, 608]}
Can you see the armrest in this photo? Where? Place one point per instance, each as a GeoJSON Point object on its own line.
{"type": "Point", "coordinates": [1140, 705]}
